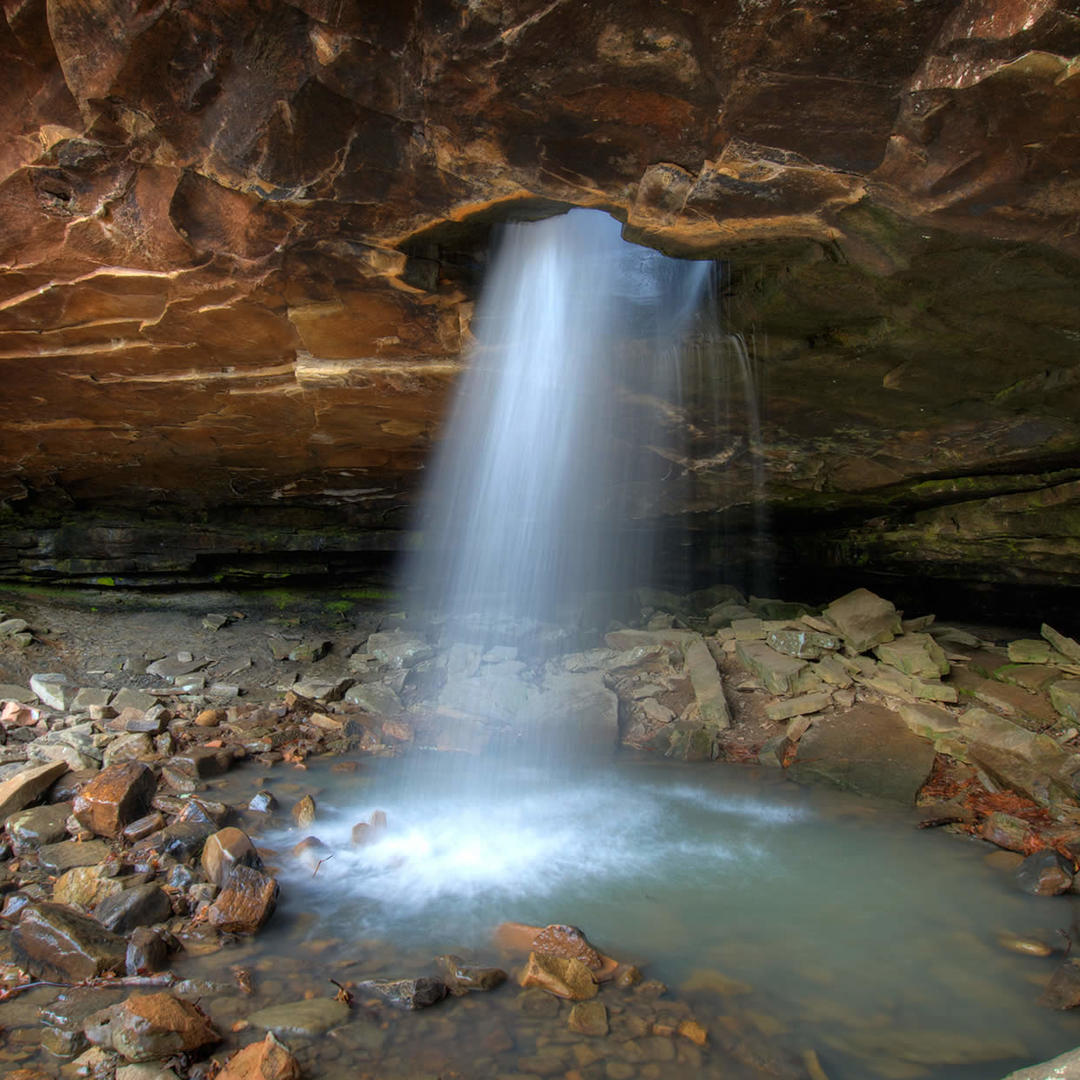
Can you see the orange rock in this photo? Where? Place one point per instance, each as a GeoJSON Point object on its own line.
{"type": "Point", "coordinates": [245, 902]}
{"type": "Point", "coordinates": [147, 1026]}
{"type": "Point", "coordinates": [564, 976]}
{"type": "Point", "coordinates": [266, 1060]}
{"type": "Point", "coordinates": [555, 940]}
{"type": "Point", "coordinates": [692, 1030]}
{"type": "Point", "coordinates": [225, 849]}
{"type": "Point", "coordinates": [210, 717]}
{"type": "Point", "coordinates": [117, 796]}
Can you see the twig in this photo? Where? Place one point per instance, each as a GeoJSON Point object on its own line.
{"type": "Point", "coordinates": [318, 864]}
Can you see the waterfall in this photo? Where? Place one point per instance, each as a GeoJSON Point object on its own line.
{"type": "Point", "coordinates": [526, 513]}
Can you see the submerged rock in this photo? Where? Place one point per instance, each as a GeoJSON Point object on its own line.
{"type": "Point", "coordinates": [563, 976]}
{"type": "Point", "coordinates": [309, 1017]}
{"type": "Point", "coordinates": [405, 993]}
{"type": "Point", "coordinates": [462, 978]}
{"type": "Point", "coordinates": [589, 1018]}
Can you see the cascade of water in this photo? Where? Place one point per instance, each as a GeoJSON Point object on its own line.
{"type": "Point", "coordinates": [524, 515]}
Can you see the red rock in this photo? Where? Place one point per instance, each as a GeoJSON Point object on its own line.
{"type": "Point", "coordinates": [246, 901]}
{"type": "Point", "coordinates": [266, 1060]}
{"type": "Point", "coordinates": [117, 796]}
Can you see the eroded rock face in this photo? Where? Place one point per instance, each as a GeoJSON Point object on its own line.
{"type": "Point", "coordinates": [243, 244]}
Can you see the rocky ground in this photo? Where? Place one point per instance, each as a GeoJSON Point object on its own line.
{"type": "Point", "coordinates": [127, 860]}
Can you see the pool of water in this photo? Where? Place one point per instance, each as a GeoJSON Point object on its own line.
{"type": "Point", "coordinates": [801, 918]}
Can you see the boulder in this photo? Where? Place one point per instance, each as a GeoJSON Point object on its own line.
{"type": "Point", "coordinates": [30, 829]}
{"type": "Point", "coordinates": [266, 1060]}
{"type": "Point", "coordinates": [56, 942]}
{"type": "Point", "coordinates": [914, 654]}
{"type": "Point", "coordinates": [246, 901]}
{"type": "Point", "coordinates": [776, 671]}
{"type": "Point", "coordinates": [141, 905]}
{"type": "Point", "coordinates": [867, 749]}
{"type": "Point", "coordinates": [115, 797]}
{"type": "Point", "coordinates": [864, 620]}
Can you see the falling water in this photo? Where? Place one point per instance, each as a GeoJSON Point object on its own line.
{"type": "Point", "coordinates": [526, 509]}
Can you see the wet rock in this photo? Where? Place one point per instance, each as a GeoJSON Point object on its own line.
{"type": "Point", "coordinates": [864, 620]}
{"type": "Point", "coordinates": [262, 802]}
{"type": "Point", "coordinates": [149, 1026]}
{"type": "Point", "coordinates": [266, 1060]}
{"type": "Point", "coordinates": [246, 901]}
{"type": "Point", "coordinates": [1063, 990]}
{"type": "Point", "coordinates": [312, 851]}
{"type": "Point", "coordinates": [374, 698]}
{"type": "Point", "coordinates": [55, 942]}
{"type": "Point", "coordinates": [141, 905]}
{"type": "Point", "coordinates": [30, 829]}
{"type": "Point", "coordinates": [589, 1018]}
{"type": "Point", "coordinates": [308, 1018]}
{"type": "Point", "coordinates": [776, 672]}
{"type": "Point", "coordinates": [462, 978]}
{"type": "Point", "coordinates": [695, 1032]}
{"type": "Point", "coordinates": [867, 749]}
{"type": "Point", "coordinates": [147, 952]}
{"type": "Point", "coordinates": [225, 849]}
{"type": "Point", "coordinates": [1045, 873]}
{"type": "Point", "coordinates": [129, 747]}
{"type": "Point", "coordinates": [1006, 831]}
{"type": "Point", "coordinates": [1024, 946]}
{"type": "Point", "coordinates": [147, 1071]}
{"type": "Point", "coordinates": [68, 854]}
{"type": "Point", "coordinates": [303, 812]}
{"type": "Point", "coordinates": [142, 827]}
{"type": "Point", "coordinates": [27, 786]}
{"type": "Point", "coordinates": [84, 887]}
{"type": "Point", "coordinates": [117, 796]}
{"type": "Point", "coordinates": [201, 762]}
{"type": "Point", "coordinates": [565, 977]}
{"type": "Point", "coordinates": [53, 689]}
{"type": "Point", "coordinates": [626, 976]}
{"type": "Point", "coordinates": [405, 993]}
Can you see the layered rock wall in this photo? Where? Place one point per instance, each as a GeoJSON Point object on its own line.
{"type": "Point", "coordinates": [240, 244]}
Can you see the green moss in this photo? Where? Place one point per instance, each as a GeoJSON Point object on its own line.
{"type": "Point", "coordinates": [107, 581]}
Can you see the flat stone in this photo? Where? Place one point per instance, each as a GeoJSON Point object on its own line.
{"type": "Point", "coordinates": [322, 689]}
{"type": "Point", "coordinates": [55, 942]}
{"type": "Point", "coordinates": [13, 692]}
{"type": "Point", "coordinates": [69, 854]}
{"type": "Point", "coordinates": [398, 648]}
{"type": "Point", "coordinates": [27, 786]}
{"type": "Point", "coordinates": [914, 654]}
{"type": "Point", "coordinates": [90, 696]}
{"type": "Point", "coordinates": [929, 721]}
{"type": "Point", "coordinates": [308, 1018]}
{"type": "Point", "coordinates": [803, 644]}
{"type": "Point", "coordinates": [863, 620]}
{"type": "Point", "coordinates": [53, 689]}
{"type": "Point", "coordinates": [867, 749]}
{"type": "Point", "coordinates": [117, 796]}
{"type": "Point", "coordinates": [1029, 651]}
{"type": "Point", "coordinates": [84, 887]}
{"type": "Point", "coordinates": [777, 673]}
{"type": "Point", "coordinates": [131, 746]}
{"type": "Point", "coordinates": [170, 667]}
{"type": "Point", "coordinates": [246, 901]}
{"type": "Point", "coordinates": [135, 699]}
{"type": "Point", "coordinates": [804, 705]}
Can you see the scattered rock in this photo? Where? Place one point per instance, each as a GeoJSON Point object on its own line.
{"type": "Point", "coordinates": [141, 905]}
{"type": "Point", "coordinates": [27, 786]}
{"type": "Point", "coordinates": [914, 654]}
{"type": "Point", "coordinates": [149, 1026]}
{"type": "Point", "coordinates": [398, 648]}
{"type": "Point", "coordinates": [802, 644]}
{"type": "Point", "coordinates": [69, 854]}
{"type": "Point", "coordinates": [55, 942]}
{"type": "Point", "coordinates": [777, 673]}
{"type": "Point", "coordinates": [303, 812]}
{"type": "Point", "coordinates": [462, 978]}
{"type": "Point", "coordinates": [1065, 697]}
{"type": "Point", "coordinates": [147, 952]}
{"type": "Point", "coordinates": [589, 1018]}
{"type": "Point", "coordinates": [226, 849]}
{"type": "Point", "coordinates": [803, 705]}
{"type": "Point", "coordinates": [117, 796]}
{"type": "Point", "coordinates": [84, 887]}
{"type": "Point", "coordinates": [53, 689]}
{"type": "Point", "coordinates": [1066, 646]}
{"type": "Point", "coordinates": [308, 1018]}
{"type": "Point", "coordinates": [30, 829]}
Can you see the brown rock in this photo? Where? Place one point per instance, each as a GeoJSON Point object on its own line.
{"type": "Point", "coordinates": [84, 887]}
{"type": "Point", "coordinates": [147, 952]}
{"type": "Point", "coordinates": [28, 785]}
{"type": "Point", "coordinates": [225, 849]}
{"type": "Point", "coordinates": [554, 940]}
{"type": "Point", "coordinates": [462, 978]}
{"type": "Point", "coordinates": [117, 796]}
{"type": "Point", "coordinates": [266, 1060]}
{"type": "Point", "coordinates": [695, 1032]}
{"type": "Point", "coordinates": [149, 1026]}
{"type": "Point", "coordinates": [1063, 990]}
{"type": "Point", "coordinates": [303, 812]}
{"type": "Point", "coordinates": [589, 1018]}
{"type": "Point", "coordinates": [210, 718]}
{"type": "Point", "coordinates": [56, 942]}
{"type": "Point", "coordinates": [565, 977]}
{"type": "Point", "coordinates": [246, 901]}
{"type": "Point", "coordinates": [1008, 832]}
